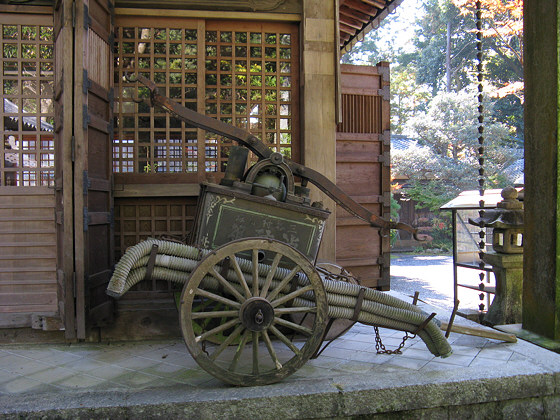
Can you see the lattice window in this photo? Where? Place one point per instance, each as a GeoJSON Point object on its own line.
{"type": "Point", "coordinates": [241, 73]}
{"type": "Point", "coordinates": [249, 80]}
{"type": "Point", "coordinates": [27, 122]}
{"type": "Point", "coordinates": [149, 139]}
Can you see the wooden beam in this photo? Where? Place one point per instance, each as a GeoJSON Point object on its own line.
{"type": "Point", "coordinates": [351, 22]}
{"type": "Point", "coordinates": [358, 5]}
{"type": "Point", "coordinates": [347, 29]}
{"type": "Point", "coordinates": [45, 10]}
{"type": "Point", "coordinates": [343, 39]}
{"type": "Point", "coordinates": [375, 3]}
{"type": "Point", "coordinates": [209, 14]}
{"type": "Point", "coordinates": [362, 17]}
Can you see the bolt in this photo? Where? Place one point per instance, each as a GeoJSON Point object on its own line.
{"type": "Point", "coordinates": [259, 317]}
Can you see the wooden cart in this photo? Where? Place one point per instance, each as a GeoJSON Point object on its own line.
{"type": "Point", "coordinates": [254, 306]}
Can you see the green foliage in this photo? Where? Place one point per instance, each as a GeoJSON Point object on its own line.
{"type": "Point", "coordinates": [445, 160]}
{"type": "Point", "coordinates": [446, 156]}
{"type": "Point", "coordinates": [450, 125]}
{"type": "Point", "coordinates": [501, 68]}
{"type": "Point", "coordinates": [419, 69]}
{"type": "Point", "coordinates": [430, 195]}
{"type": "Point", "coordinates": [149, 168]}
{"type": "Point", "coordinates": [407, 98]}
{"type": "Point", "coordinates": [444, 116]}
{"type": "Point", "coordinates": [509, 110]}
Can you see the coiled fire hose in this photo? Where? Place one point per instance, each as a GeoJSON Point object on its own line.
{"type": "Point", "coordinates": [174, 262]}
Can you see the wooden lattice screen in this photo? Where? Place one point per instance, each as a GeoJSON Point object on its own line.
{"type": "Point", "coordinates": [244, 74]}
{"type": "Point", "coordinates": [27, 101]}
{"type": "Point", "coordinates": [137, 219]}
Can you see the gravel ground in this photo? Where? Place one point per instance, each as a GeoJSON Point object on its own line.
{"type": "Point", "coordinates": [432, 276]}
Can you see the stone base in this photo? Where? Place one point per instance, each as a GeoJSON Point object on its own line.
{"type": "Point", "coordinates": [506, 306]}
{"type": "Point", "coordinates": [526, 335]}
{"type": "Point", "coordinates": [471, 314]}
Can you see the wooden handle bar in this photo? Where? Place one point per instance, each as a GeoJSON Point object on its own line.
{"type": "Point", "coordinates": [480, 332]}
{"type": "Point", "coordinates": [262, 151]}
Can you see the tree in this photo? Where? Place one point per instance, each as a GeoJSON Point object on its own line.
{"type": "Point", "coordinates": [446, 154]}
{"type": "Point", "coordinates": [503, 28]}
{"type": "Point", "coordinates": [444, 44]}
{"type": "Point", "coordinates": [407, 97]}
{"type": "Point", "coordinates": [502, 32]}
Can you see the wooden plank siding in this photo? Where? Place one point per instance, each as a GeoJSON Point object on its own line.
{"type": "Point", "coordinates": [362, 170]}
{"type": "Point", "coordinates": [27, 254]}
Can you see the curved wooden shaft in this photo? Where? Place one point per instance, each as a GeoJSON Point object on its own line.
{"type": "Point", "coordinates": [263, 152]}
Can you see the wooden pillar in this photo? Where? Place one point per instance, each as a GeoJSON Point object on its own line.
{"type": "Point", "coordinates": [541, 279]}
{"type": "Point", "coordinates": [319, 57]}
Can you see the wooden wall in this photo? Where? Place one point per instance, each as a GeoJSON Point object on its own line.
{"type": "Point", "coordinates": [363, 171]}
{"type": "Point", "coordinates": [27, 255]}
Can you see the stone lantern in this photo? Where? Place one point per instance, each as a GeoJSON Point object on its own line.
{"type": "Point", "coordinates": [506, 258]}
{"type": "Point", "coordinates": [507, 221]}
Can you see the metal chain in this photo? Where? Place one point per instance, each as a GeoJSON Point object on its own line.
{"type": "Point", "coordinates": [380, 347]}
{"type": "Point", "coordinates": [481, 180]}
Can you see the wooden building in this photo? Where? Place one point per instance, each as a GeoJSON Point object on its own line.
{"type": "Point", "coordinates": [87, 170]}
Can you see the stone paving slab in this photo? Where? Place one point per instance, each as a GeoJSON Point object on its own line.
{"type": "Point", "coordinates": [161, 380]}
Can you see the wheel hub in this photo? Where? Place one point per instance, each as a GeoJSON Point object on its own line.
{"type": "Point", "coordinates": [256, 314]}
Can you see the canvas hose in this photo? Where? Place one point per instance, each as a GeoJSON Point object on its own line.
{"type": "Point", "coordinates": [174, 262]}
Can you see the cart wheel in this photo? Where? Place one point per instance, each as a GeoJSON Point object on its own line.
{"type": "Point", "coordinates": [253, 315]}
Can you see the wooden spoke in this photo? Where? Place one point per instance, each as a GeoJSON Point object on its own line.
{"type": "Point", "coordinates": [217, 298]}
{"type": "Point", "coordinates": [284, 340]}
{"type": "Point", "coordinates": [255, 262]}
{"type": "Point", "coordinates": [227, 285]}
{"type": "Point", "coordinates": [291, 296]}
{"type": "Point", "coordinates": [214, 314]}
{"type": "Point", "coordinates": [239, 351]}
{"type": "Point", "coordinates": [240, 276]}
{"type": "Point", "coordinates": [203, 305]}
{"type": "Point", "coordinates": [271, 351]}
{"type": "Point", "coordinates": [236, 333]}
{"type": "Point", "coordinates": [217, 330]}
{"type": "Point", "coordinates": [296, 327]}
{"type": "Point", "coordinates": [283, 283]}
{"type": "Point", "coordinates": [271, 273]}
{"type": "Point", "coordinates": [255, 352]}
